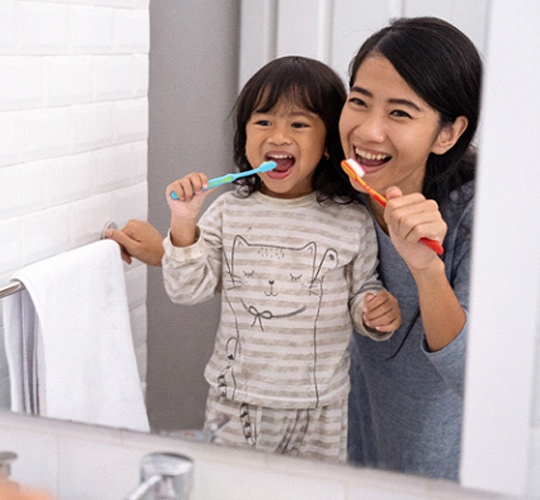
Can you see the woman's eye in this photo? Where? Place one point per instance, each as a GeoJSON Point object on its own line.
{"type": "Point", "coordinates": [357, 101]}
{"type": "Point", "coordinates": [400, 113]}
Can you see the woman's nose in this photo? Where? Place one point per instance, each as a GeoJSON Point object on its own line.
{"type": "Point", "coordinates": [372, 128]}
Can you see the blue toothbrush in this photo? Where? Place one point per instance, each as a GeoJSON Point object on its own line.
{"type": "Point", "coordinates": [224, 179]}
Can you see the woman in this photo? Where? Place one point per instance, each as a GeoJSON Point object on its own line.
{"type": "Point", "coordinates": [409, 120]}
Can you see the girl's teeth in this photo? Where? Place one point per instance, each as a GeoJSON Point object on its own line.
{"type": "Point", "coordinates": [279, 157]}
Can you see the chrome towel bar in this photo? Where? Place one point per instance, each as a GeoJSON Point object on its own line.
{"type": "Point", "coordinates": [15, 286]}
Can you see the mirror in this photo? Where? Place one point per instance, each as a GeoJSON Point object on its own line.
{"type": "Point", "coordinates": [188, 111]}
{"type": "Point", "coordinates": [268, 29]}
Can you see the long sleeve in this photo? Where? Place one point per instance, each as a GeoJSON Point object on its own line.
{"type": "Point", "coordinates": [450, 361]}
{"type": "Point", "coordinates": [363, 278]}
{"type": "Point", "coordinates": [193, 274]}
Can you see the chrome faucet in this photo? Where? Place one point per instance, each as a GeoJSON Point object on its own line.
{"type": "Point", "coordinates": [164, 476]}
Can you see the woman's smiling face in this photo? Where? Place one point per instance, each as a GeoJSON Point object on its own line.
{"type": "Point", "coordinates": [388, 128]}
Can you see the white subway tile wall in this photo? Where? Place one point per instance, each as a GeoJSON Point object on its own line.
{"type": "Point", "coordinates": [73, 133]}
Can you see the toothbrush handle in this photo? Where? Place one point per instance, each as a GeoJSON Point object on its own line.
{"type": "Point", "coordinates": [381, 199]}
{"type": "Point", "coordinates": [434, 245]}
{"type": "Point", "coordinates": [224, 179]}
{"type": "Point", "coordinates": [218, 181]}
{"type": "Point", "coordinates": [213, 183]}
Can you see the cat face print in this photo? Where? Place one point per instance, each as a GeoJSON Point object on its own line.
{"type": "Point", "coordinates": [277, 281]}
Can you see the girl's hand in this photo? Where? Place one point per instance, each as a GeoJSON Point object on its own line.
{"type": "Point", "coordinates": [190, 195]}
{"type": "Point", "coordinates": [409, 218]}
{"type": "Point", "coordinates": [186, 208]}
{"type": "Point", "coordinates": [381, 312]}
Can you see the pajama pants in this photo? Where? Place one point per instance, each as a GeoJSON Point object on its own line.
{"type": "Point", "coordinates": [319, 433]}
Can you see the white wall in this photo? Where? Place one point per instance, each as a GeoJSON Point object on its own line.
{"type": "Point", "coordinates": [332, 30]}
{"type": "Point", "coordinates": [73, 131]}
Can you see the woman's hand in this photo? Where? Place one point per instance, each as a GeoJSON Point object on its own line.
{"type": "Point", "coordinates": [139, 239]}
{"type": "Point", "coordinates": [409, 218]}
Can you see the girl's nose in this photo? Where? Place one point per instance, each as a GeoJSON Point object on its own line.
{"type": "Point", "coordinates": [279, 136]}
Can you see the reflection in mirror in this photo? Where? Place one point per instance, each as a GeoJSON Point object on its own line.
{"type": "Point", "coordinates": [197, 64]}
{"type": "Point", "coordinates": [252, 57]}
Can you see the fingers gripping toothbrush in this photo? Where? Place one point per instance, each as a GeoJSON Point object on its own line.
{"type": "Point", "coordinates": [225, 179]}
{"type": "Point", "coordinates": [353, 169]}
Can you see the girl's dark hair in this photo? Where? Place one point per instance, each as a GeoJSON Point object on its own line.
{"type": "Point", "coordinates": [444, 68]}
{"type": "Point", "coordinates": [307, 83]}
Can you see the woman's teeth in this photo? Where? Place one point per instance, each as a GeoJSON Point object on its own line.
{"type": "Point", "coordinates": [370, 156]}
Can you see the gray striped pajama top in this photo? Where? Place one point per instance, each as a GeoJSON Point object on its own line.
{"type": "Point", "coordinates": [292, 274]}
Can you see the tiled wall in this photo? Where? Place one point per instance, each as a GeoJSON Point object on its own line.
{"type": "Point", "coordinates": [73, 132]}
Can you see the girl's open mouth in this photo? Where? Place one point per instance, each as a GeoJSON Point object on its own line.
{"type": "Point", "coordinates": [284, 164]}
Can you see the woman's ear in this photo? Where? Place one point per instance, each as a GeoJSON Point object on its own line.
{"type": "Point", "coordinates": [449, 135]}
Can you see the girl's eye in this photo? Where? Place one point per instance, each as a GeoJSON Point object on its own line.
{"type": "Point", "coordinates": [400, 113]}
{"type": "Point", "coordinates": [299, 125]}
{"type": "Point", "coordinates": [263, 123]}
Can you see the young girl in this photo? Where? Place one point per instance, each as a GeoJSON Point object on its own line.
{"type": "Point", "coordinates": [295, 262]}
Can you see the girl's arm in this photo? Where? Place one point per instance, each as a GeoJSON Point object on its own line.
{"type": "Point", "coordinates": [192, 259]}
{"type": "Point", "coordinates": [375, 312]}
{"type": "Point", "coordinates": [186, 207]}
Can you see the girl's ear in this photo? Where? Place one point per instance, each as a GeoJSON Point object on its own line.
{"type": "Point", "coordinates": [449, 135]}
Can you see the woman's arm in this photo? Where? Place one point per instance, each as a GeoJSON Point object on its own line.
{"type": "Point", "coordinates": [409, 218]}
{"type": "Point", "coordinates": [443, 316]}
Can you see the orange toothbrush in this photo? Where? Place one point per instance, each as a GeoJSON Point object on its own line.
{"type": "Point", "coordinates": [353, 169]}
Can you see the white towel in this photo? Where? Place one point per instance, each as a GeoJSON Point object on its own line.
{"type": "Point", "coordinates": [69, 343]}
